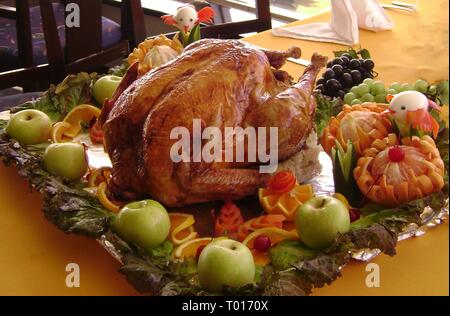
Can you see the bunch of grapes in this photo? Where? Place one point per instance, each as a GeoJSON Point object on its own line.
{"type": "Point", "coordinates": [343, 73]}
{"type": "Point", "coordinates": [375, 91]}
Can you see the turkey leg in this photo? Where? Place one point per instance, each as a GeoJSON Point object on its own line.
{"type": "Point", "coordinates": [277, 58]}
{"type": "Point", "coordinates": [292, 111]}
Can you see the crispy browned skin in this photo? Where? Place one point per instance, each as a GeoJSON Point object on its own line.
{"type": "Point", "coordinates": [225, 84]}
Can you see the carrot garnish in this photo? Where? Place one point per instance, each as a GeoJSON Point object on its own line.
{"type": "Point", "coordinates": [282, 182]}
{"type": "Point", "coordinates": [229, 220]}
{"type": "Point", "coordinates": [96, 134]}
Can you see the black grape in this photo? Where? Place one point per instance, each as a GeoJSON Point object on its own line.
{"type": "Point", "coordinates": [368, 64]}
{"type": "Point", "coordinates": [328, 74]}
{"type": "Point", "coordinates": [338, 70]}
{"type": "Point", "coordinates": [332, 86]}
{"type": "Point", "coordinates": [347, 80]}
{"type": "Point", "coordinates": [356, 76]}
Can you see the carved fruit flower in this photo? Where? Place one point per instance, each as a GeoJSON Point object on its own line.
{"type": "Point", "coordinates": [361, 123]}
{"type": "Point", "coordinates": [392, 173]}
{"type": "Point", "coordinates": [155, 52]}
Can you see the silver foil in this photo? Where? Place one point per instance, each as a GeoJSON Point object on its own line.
{"type": "Point", "coordinates": [321, 180]}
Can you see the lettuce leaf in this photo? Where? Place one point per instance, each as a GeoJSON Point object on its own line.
{"type": "Point", "coordinates": [284, 283]}
{"type": "Point", "coordinates": [325, 110]}
{"type": "Point", "coordinates": [61, 99]}
{"type": "Point", "coordinates": [284, 254]}
{"type": "Point", "coordinates": [442, 92]}
{"type": "Point", "coordinates": [67, 206]}
{"type": "Point", "coordinates": [396, 219]}
{"type": "Point", "coordinates": [119, 70]}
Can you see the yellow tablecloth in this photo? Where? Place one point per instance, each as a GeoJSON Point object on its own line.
{"type": "Point", "coordinates": [34, 254]}
{"type": "Point", "coordinates": [417, 47]}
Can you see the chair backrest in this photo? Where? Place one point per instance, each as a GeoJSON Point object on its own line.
{"type": "Point", "coordinates": [82, 50]}
{"type": "Point", "coordinates": [84, 43]}
{"type": "Point", "coordinates": [233, 30]}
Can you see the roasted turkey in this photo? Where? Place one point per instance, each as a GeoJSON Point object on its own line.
{"type": "Point", "coordinates": [225, 83]}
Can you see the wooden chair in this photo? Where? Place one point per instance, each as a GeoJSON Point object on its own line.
{"type": "Point", "coordinates": [234, 30]}
{"type": "Point", "coordinates": [231, 30]}
{"type": "Point", "coordinates": [80, 50]}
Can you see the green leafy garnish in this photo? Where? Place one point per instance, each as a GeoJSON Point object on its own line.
{"type": "Point", "coordinates": [119, 70]}
{"type": "Point", "coordinates": [396, 218]}
{"type": "Point", "coordinates": [325, 110]}
{"type": "Point", "coordinates": [364, 53]}
{"type": "Point", "coordinates": [61, 99]}
{"type": "Point", "coordinates": [344, 162]}
{"type": "Point", "coordinates": [284, 283]}
{"type": "Point", "coordinates": [188, 38]}
{"type": "Point", "coordinates": [67, 206]}
{"type": "Point", "coordinates": [442, 92]}
{"type": "Point", "coordinates": [284, 254]}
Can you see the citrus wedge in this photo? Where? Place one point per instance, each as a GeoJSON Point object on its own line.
{"type": "Point", "coordinates": [104, 200]}
{"type": "Point", "coordinates": [189, 249]}
{"type": "Point", "coordinates": [271, 220]}
{"type": "Point", "coordinates": [58, 132]}
{"type": "Point", "coordinates": [285, 203]}
{"type": "Point", "coordinates": [275, 234]}
{"type": "Point", "coordinates": [181, 228]}
{"type": "Point", "coordinates": [79, 114]}
{"type": "Point", "coordinates": [96, 177]}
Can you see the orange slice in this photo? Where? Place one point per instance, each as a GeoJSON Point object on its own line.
{"type": "Point", "coordinates": [104, 200]}
{"type": "Point", "coordinates": [285, 203]}
{"type": "Point", "coordinates": [79, 114]}
{"type": "Point", "coordinates": [96, 177]}
{"type": "Point", "coordinates": [189, 249]}
{"type": "Point", "coordinates": [275, 234]}
{"type": "Point", "coordinates": [271, 220]}
{"type": "Point", "coordinates": [181, 228]}
{"type": "Point", "coordinates": [58, 132]}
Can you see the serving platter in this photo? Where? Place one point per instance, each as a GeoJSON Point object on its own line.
{"type": "Point", "coordinates": [322, 181]}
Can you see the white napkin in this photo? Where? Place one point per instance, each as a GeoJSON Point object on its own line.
{"type": "Point", "coordinates": [346, 16]}
{"type": "Point", "coordinates": [371, 15]}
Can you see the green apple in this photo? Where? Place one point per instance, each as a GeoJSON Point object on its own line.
{"type": "Point", "coordinates": [143, 223]}
{"type": "Point", "coordinates": [67, 160]}
{"type": "Point", "coordinates": [225, 262]}
{"type": "Point", "coordinates": [320, 220]}
{"type": "Point", "coordinates": [105, 87]}
{"type": "Point", "coordinates": [29, 127]}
